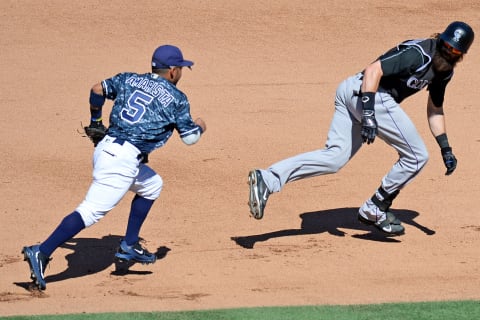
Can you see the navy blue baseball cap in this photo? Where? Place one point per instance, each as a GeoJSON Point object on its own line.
{"type": "Point", "coordinates": [167, 56]}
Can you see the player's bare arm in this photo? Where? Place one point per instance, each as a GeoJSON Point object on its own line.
{"type": "Point", "coordinates": [371, 77]}
{"type": "Point", "coordinates": [436, 118]}
{"type": "Point", "coordinates": [436, 121]}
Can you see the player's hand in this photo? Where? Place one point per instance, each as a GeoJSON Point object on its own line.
{"type": "Point", "coordinates": [95, 131]}
{"type": "Point", "coordinates": [199, 122]}
{"type": "Point", "coordinates": [369, 126]}
{"type": "Point", "coordinates": [449, 160]}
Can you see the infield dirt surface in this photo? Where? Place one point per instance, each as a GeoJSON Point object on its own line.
{"type": "Point", "coordinates": [264, 80]}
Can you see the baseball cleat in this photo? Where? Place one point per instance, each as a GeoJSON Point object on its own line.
{"type": "Point", "coordinates": [386, 222]}
{"type": "Point", "coordinates": [385, 226]}
{"type": "Point", "coordinates": [37, 262]}
{"type": "Point", "coordinates": [134, 253]}
{"type": "Point", "coordinates": [258, 194]}
{"type": "Point", "coordinates": [390, 218]}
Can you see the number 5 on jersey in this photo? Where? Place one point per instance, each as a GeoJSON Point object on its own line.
{"type": "Point", "coordinates": [136, 106]}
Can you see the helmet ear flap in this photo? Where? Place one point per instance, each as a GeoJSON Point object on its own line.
{"type": "Point", "coordinates": [459, 35]}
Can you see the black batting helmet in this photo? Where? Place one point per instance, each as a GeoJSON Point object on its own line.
{"type": "Point", "coordinates": [459, 35]}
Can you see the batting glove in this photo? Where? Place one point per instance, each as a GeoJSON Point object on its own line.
{"type": "Point", "coordinates": [449, 160]}
{"type": "Point", "coordinates": [369, 126]}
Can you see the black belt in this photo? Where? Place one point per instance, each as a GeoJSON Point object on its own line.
{"type": "Point", "coordinates": [142, 156]}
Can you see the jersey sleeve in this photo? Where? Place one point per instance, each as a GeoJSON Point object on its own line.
{"type": "Point", "coordinates": [437, 89]}
{"type": "Point", "coordinates": [111, 86]}
{"type": "Point", "coordinates": [185, 125]}
{"type": "Point", "coordinates": [401, 61]}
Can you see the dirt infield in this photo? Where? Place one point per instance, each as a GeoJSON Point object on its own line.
{"type": "Point", "coordinates": [264, 80]}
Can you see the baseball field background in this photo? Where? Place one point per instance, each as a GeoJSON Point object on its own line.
{"type": "Point", "coordinates": [264, 80]}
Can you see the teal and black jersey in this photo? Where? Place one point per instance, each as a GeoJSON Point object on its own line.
{"type": "Point", "coordinates": [407, 69]}
{"type": "Point", "coordinates": [146, 110]}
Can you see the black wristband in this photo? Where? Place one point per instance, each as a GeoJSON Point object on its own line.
{"type": "Point", "coordinates": [96, 100]}
{"type": "Point", "coordinates": [368, 100]}
{"type": "Point", "coordinates": [442, 141]}
{"type": "Point", "coordinates": [445, 150]}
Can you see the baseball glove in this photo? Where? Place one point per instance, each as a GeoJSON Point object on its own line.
{"type": "Point", "coordinates": [95, 132]}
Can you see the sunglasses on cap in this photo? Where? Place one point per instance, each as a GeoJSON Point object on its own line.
{"type": "Point", "coordinates": [451, 49]}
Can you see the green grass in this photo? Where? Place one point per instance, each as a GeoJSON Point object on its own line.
{"type": "Point", "coordinates": [456, 310]}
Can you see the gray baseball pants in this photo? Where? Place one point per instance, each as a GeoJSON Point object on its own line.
{"type": "Point", "coordinates": [344, 140]}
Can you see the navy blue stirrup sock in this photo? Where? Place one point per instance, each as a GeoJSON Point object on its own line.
{"type": "Point", "coordinates": [138, 213]}
{"type": "Point", "coordinates": [67, 229]}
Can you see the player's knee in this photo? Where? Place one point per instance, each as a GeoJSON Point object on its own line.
{"type": "Point", "coordinates": [422, 159]}
{"type": "Point", "coordinates": [89, 216]}
{"type": "Point", "coordinates": [340, 162]}
{"type": "Point", "coordinates": [153, 189]}
{"type": "Point", "coordinates": [335, 158]}
{"type": "Point", "coordinates": [336, 167]}
{"type": "Point", "coordinates": [414, 164]}
{"type": "Point", "coordinates": [90, 213]}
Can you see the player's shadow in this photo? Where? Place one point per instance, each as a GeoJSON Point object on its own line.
{"type": "Point", "coordinates": [91, 255]}
{"type": "Point", "coordinates": [332, 221]}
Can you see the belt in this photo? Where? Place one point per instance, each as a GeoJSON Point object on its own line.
{"type": "Point", "coordinates": [142, 156]}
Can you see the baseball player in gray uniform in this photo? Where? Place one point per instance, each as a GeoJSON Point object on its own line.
{"type": "Point", "coordinates": [367, 105]}
{"type": "Point", "coordinates": [148, 108]}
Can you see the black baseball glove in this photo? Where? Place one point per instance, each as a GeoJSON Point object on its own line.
{"type": "Point", "coordinates": [95, 131]}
